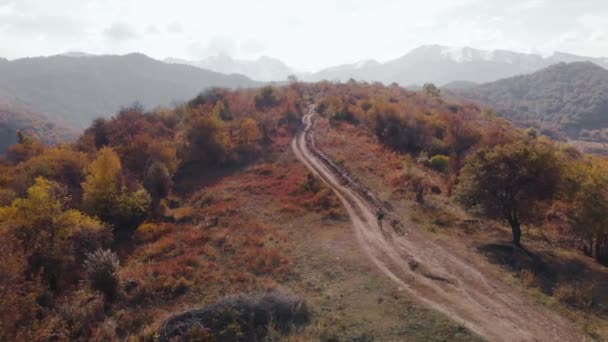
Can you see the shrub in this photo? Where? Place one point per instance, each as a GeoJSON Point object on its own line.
{"type": "Point", "coordinates": [579, 295]}
{"type": "Point", "coordinates": [243, 317]}
{"type": "Point", "coordinates": [440, 162]}
{"type": "Point", "coordinates": [101, 268]}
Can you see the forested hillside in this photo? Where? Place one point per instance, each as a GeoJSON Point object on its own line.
{"type": "Point", "coordinates": [572, 98]}
{"type": "Point", "coordinates": [199, 223]}
{"type": "Point", "coordinates": [14, 119]}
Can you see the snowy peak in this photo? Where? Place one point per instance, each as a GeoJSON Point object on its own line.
{"type": "Point", "coordinates": [445, 64]}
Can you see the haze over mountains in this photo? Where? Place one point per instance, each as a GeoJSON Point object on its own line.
{"type": "Point", "coordinates": [442, 65]}
{"type": "Point", "coordinates": [78, 88]}
{"type": "Point", "coordinates": [428, 63]}
{"type": "Point", "coordinates": [261, 69]}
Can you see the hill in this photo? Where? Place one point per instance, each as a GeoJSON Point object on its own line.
{"type": "Point", "coordinates": [227, 218]}
{"type": "Point", "coordinates": [571, 97]}
{"type": "Point", "coordinates": [443, 64]}
{"type": "Point", "coordinates": [79, 89]}
{"type": "Point", "coordinates": [14, 119]}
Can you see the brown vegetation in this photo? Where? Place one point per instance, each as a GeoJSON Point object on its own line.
{"type": "Point", "coordinates": [151, 213]}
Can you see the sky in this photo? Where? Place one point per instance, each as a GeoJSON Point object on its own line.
{"type": "Point", "coordinates": [308, 34]}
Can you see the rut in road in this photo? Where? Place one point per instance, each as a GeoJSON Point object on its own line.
{"type": "Point", "coordinates": [440, 278]}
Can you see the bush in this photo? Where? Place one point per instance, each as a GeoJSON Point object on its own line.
{"type": "Point", "coordinates": [577, 295]}
{"type": "Point", "coordinates": [440, 162]}
{"type": "Point", "coordinates": [243, 317]}
{"type": "Point", "coordinates": [101, 268]}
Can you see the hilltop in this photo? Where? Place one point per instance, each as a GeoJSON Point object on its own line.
{"type": "Point", "coordinates": [569, 97]}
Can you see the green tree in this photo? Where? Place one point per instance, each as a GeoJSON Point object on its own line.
{"type": "Point", "coordinates": [266, 98]}
{"type": "Point", "coordinates": [105, 197]}
{"type": "Point", "coordinates": [158, 183]}
{"type": "Point", "coordinates": [511, 182]}
{"type": "Point", "coordinates": [129, 209]}
{"type": "Point", "coordinates": [207, 139]}
{"type": "Point", "coordinates": [591, 208]}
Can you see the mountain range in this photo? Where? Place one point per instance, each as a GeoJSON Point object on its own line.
{"type": "Point", "coordinates": [70, 90]}
{"type": "Point", "coordinates": [429, 63]}
{"type": "Point", "coordinates": [441, 65]}
{"type": "Point", "coordinates": [78, 88]}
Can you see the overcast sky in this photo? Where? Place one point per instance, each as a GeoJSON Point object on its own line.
{"type": "Point", "coordinates": [306, 34]}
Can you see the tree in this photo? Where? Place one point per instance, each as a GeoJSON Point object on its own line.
{"type": "Point", "coordinates": [158, 183]}
{"type": "Point", "coordinates": [292, 79]}
{"type": "Point", "coordinates": [26, 148]}
{"type": "Point", "coordinates": [105, 197]}
{"type": "Point", "coordinates": [591, 209]}
{"type": "Point", "coordinates": [266, 98]}
{"type": "Point", "coordinates": [99, 129]}
{"type": "Point", "coordinates": [510, 182]}
{"type": "Point", "coordinates": [55, 239]}
{"type": "Point", "coordinates": [129, 209]}
{"type": "Point", "coordinates": [207, 139]}
{"type": "Point", "coordinates": [222, 111]}
{"type": "Point", "coordinates": [101, 184]}
{"type": "Point", "coordinates": [249, 131]}
{"type": "Point", "coordinates": [431, 90]}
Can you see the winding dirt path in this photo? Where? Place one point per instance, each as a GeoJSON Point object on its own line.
{"type": "Point", "coordinates": [440, 278]}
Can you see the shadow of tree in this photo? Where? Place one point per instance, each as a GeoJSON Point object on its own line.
{"type": "Point", "coordinates": [550, 270]}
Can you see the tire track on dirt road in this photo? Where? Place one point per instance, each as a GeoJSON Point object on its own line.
{"type": "Point", "coordinates": [437, 277]}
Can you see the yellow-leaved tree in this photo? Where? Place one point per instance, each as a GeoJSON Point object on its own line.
{"type": "Point", "coordinates": [105, 197]}
{"type": "Point", "coordinates": [249, 131]}
{"type": "Point", "coordinates": [101, 183]}
{"type": "Point", "coordinates": [54, 239]}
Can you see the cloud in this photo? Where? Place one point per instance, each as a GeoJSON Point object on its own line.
{"type": "Point", "coordinates": [309, 35]}
{"type": "Point", "coordinates": [218, 45]}
{"type": "Point", "coordinates": [175, 27]}
{"type": "Point", "coordinates": [120, 31]}
{"type": "Point", "coordinates": [41, 26]}
{"type": "Point", "coordinates": [152, 29]}
{"type": "Point", "coordinates": [251, 47]}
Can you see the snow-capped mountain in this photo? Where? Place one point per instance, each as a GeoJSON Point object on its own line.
{"type": "Point", "coordinates": [261, 69]}
{"type": "Point", "coordinates": [443, 64]}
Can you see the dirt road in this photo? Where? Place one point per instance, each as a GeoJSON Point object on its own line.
{"type": "Point", "coordinates": [440, 278]}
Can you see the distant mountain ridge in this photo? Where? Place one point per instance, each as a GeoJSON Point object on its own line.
{"type": "Point", "coordinates": [573, 97]}
{"type": "Point", "coordinates": [262, 69]}
{"type": "Point", "coordinates": [442, 65]}
{"type": "Point", "coordinates": [78, 89]}
{"type": "Point", "coordinates": [428, 63]}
